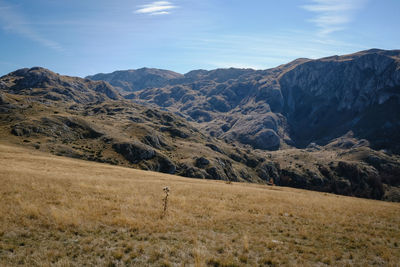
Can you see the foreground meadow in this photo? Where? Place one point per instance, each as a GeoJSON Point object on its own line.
{"type": "Point", "coordinates": [64, 212]}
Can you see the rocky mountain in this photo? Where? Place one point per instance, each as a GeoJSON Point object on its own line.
{"type": "Point", "coordinates": [291, 125]}
{"type": "Point", "coordinates": [292, 105]}
{"type": "Point", "coordinates": [45, 85]}
{"type": "Point", "coordinates": [359, 92]}
{"type": "Point", "coordinates": [135, 80]}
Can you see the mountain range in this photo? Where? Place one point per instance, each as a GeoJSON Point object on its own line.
{"type": "Point", "coordinates": [295, 104]}
{"type": "Point", "coordinates": [331, 124]}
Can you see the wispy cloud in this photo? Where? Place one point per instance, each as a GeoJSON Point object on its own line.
{"type": "Point", "coordinates": [13, 21]}
{"type": "Point", "coordinates": [333, 15]}
{"type": "Point", "coordinates": [260, 51]}
{"type": "Point", "coordinates": [156, 8]}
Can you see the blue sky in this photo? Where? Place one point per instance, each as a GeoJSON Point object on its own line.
{"type": "Point", "coordinates": [83, 37]}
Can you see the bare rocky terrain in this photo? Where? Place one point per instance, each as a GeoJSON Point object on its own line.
{"type": "Point", "coordinates": [329, 125]}
{"type": "Point", "coordinates": [303, 102]}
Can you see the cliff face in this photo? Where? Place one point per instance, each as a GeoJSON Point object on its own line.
{"type": "Point", "coordinates": [351, 83]}
{"type": "Point", "coordinates": [326, 98]}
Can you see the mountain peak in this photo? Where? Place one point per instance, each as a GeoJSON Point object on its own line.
{"type": "Point", "coordinates": [45, 84]}
{"type": "Point", "coordinates": [137, 79]}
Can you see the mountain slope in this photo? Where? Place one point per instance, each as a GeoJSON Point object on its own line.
{"type": "Point", "coordinates": [53, 208]}
{"type": "Point", "coordinates": [80, 122]}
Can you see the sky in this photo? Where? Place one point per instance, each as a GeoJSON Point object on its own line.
{"type": "Point", "coordinates": [85, 37]}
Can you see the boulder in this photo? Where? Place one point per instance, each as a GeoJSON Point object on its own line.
{"type": "Point", "coordinates": [154, 140]}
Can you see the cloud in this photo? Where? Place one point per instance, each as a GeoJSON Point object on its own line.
{"type": "Point", "coordinates": [262, 51]}
{"type": "Point", "coordinates": [15, 22]}
{"type": "Point", "coordinates": [156, 8]}
{"type": "Point", "coordinates": [333, 15]}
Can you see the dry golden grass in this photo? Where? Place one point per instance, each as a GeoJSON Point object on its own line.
{"type": "Point", "coordinates": [65, 212]}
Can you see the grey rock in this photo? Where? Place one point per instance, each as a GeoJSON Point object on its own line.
{"type": "Point", "coordinates": [214, 173]}
{"type": "Point", "coordinates": [165, 164]}
{"type": "Point", "coordinates": [264, 139]}
{"type": "Point", "coordinates": [134, 152]}
{"type": "Point", "coordinates": [154, 140]}
{"type": "Point", "coordinates": [215, 148]}
{"type": "Point", "coordinates": [175, 132]}
{"type": "Point", "coordinates": [202, 162]}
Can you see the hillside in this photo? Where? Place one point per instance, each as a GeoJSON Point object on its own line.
{"type": "Point", "coordinates": [67, 212]}
{"type": "Point", "coordinates": [112, 130]}
{"type": "Point", "coordinates": [90, 120]}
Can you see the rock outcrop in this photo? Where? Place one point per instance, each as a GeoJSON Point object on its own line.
{"type": "Point", "coordinates": [134, 152]}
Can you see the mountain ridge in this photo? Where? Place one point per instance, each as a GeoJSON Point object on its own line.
{"type": "Point", "coordinates": [136, 79]}
{"type": "Point", "coordinates": [350, 82]}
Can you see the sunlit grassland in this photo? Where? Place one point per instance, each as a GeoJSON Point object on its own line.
{"type": "Point", "coordinates": [65, 212]}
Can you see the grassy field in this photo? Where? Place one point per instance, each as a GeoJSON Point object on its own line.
{"type": "Point", "coordinates": [64, 212]}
